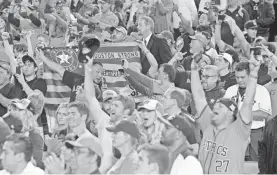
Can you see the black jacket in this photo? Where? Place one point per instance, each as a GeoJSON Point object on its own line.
{"type": "Point", "coordinates": [267, 150]}
{"type": "Point", "coordinates": [159, 49]}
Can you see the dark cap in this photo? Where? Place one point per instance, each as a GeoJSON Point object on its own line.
{"type": "Point", "coordinates": [179, 122]}
{"type": "Point", "coordinates": [26, 58]}
{"type": "Point", "coordinates": [230, 104]}
{"type": "Point", "coordinates": [127, 127]}
{"type": "Point", "coordinates": [251, 24]}
{"type": "Point", "coordinates": [14, 123]}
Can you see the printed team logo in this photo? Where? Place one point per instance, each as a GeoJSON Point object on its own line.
{"type": "Point", "coordinates": [66, 59]}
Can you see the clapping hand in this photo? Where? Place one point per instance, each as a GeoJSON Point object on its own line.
{"type": "Point", "coordinates": [54, 164]}
{"type": "Point", "coordinates": [142, 46]}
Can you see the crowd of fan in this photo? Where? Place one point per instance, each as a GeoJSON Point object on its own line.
{"type": "Point", "coordinates": [208, 79]}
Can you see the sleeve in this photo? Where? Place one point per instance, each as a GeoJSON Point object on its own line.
{"type": "Point", "coordinates": [204, 118]}
{"type": "Point", "coordinates": [35, 20]}
{"type": "Point", "coordinates": [70, 78]}
{"type": "Point", "coordinates": [242, 129]}
{"type": "Point", "coordinates": [41, 85]}
{"type": "Point", "coordinates": [270, 16]}
{"type": "Point", "coordinates": [193, 10]}
{"type": "Point", "coordinates": [264, 103]}
{"type": "Point", "coordinates": [139, 86]}
{"type": "Point", "coordinates": [164, 51]}
{"type": "Point", "coordinates": [229, 92]}
{"type": "Point", "coordinates": [37, 142]}
{"type": "Point", "coordinates": [14, 21]}
{"type": "Point", "coordinates": [262, 149]}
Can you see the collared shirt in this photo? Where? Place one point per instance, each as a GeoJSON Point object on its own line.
{"type": "Point", "coordinates": [147, 39]}
{"type": "Point", "coordinates": [262, 102]}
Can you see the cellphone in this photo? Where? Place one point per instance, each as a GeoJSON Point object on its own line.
{"type": "Point", "coordinates": [221, 17]}
{"type": "Point", "coordinates": [256, 50]}
{"type": "Point", "coordinates": [18, 70]}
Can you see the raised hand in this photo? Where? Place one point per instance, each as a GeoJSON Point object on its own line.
{"type": "Point", "coordinates": [54, 164]}
{"type": "Point", "coordinates": [254, 63]}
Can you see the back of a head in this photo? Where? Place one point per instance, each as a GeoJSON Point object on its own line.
{"type": "Point", "coordinates": [182, 96]}
{"type": "Point", "coordinates": [128, 103]}
{"type": "Point", "coordinates": [21, 144]}
{"type": "Point", "coordinates": [243, 66]}
{"type": "Point", "coordinates": [170, 71]}
{"type": "Point", "coordinates": [158, 154]}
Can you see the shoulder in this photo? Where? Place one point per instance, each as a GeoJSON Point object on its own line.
{"type": "Point", "coordinates": [261, 89]}
{"type": "Point", "coordinates": [233, 88]}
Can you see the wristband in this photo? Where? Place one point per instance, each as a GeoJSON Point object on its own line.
{"type": "Point", "coordinates": [253, 76]}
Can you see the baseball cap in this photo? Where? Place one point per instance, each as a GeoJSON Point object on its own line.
{"type": "Point", "coordinates": [26, 58]}
{"type": "Point", "coordinates": [227, 57]}
{"type": "Point", "coordinates": [108, 94]}
{"type": "Point", "coordinates": [151, 105]}
{"type": "Point", "coordinates": [200, 37]}
{"type": "Point", "coordinates": [127, 127]}
{"type": "Point", "coordinates": [251, 24]}
{"type": "Point", "coordinates": [168, 35]}
{"type": "Point", "coordinates": [14, 123]}
{"type": "Point", "coordinates": [230, 104]}
{"type": "Point", "coordinates": [233, 53]}
{"type": "Point", "coordinates": [21, 104]}
{"type": "Point", "coordinates": [88, 141]}
{"type": "Point", "coordinates": [120, 29]}
{"type": "Point", "coordinates": [179, 122]}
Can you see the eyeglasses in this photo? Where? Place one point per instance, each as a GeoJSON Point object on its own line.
{"type": "Point", "coordinates": [207, 76]}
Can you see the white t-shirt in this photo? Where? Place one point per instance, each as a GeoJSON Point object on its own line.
{"type": "Point", "coordinates": [262, 102]}
{"type": "Point", "coordinates": [30, 169]}
{"type": "Point", "coordinates": [190, 165]}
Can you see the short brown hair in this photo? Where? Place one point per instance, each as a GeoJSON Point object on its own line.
{"type": "Point", "coordinates": [81, 107]}
{"type": "Point", "coordinates": [128, 102]}
{"type": "Point", "coordinates": [157, 154]}
{"type": "Point", "coordinates": [21, 144]}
